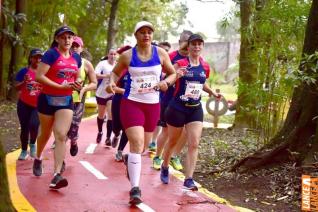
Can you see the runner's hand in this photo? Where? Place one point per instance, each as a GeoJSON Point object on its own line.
{"type": "Point", "coordinates": [181, 71]}
{"type": "Point", "coordinates": [77, 85]}
{"type": "Point", "coordinates": [81, 94]}
{"type": "Point", "coordinates": [162, 85]}
{"type": "Point", "coordinates": [111, 88]}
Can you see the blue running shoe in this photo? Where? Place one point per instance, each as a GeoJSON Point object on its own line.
{"type": "Point", "coordinates": [32, 150]}
{"type": "Point", "coordinates": [152, 147]}
{"type": "Point", "coordinates": [23, 155]}
{"type": "Point", "coordinates": [190, 185]}
{"type": "Point", "coordinates": [164, 174]}
{"type": "Point", "coordinates": [135, 196]}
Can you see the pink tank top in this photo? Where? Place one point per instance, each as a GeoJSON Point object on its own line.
{"type": "Point", "coordinates": [63, 70]}
{"type": "Point", "coordinates": [30, 91]}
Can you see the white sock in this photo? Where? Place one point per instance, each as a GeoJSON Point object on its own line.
{"type": "Point", "coordinates": [134, 168]}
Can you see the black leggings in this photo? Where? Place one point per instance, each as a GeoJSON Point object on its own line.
{"type": "Point", "coordinates": [29, 121]}
{"type": "Point", "coordinates": [117, 126]}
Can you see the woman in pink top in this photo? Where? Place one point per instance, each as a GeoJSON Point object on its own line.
{"type": "Point", "coordinates": [29, 91]}
{"type": "Point", "coordinates": [58, 74]}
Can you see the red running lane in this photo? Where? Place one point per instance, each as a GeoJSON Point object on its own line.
{"type": "Point", "coordinates": [87, 193]}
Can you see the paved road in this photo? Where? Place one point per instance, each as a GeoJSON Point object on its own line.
{"type": "Point", "coordinates": [98, 183]}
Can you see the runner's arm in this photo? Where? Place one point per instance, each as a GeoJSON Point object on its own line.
{"type": "Point", "coordinates": [118, 70]}
{"type": "Point", "coordinates": [89, 69]}
{"type": "Point", "coordinates": [169, 70]}
{"type": "Point", "coordinates": [207, 89]}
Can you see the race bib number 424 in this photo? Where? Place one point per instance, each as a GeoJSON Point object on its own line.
{"type": "Point", "coordinates": [144, 84]}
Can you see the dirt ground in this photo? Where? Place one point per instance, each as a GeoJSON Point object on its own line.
{"type": "Point", "coordinates": [270, 189]}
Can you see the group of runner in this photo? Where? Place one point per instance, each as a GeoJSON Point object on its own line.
{"type": "Point", "coordinates": [145, 90]}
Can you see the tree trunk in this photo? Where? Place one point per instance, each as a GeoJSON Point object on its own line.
{"type": "Point", "coordinates": [295, 141]}
{"type": "Point", "coordinates": [5, 201]}
{"type": "Point", "coordinates": [2, 43]}
{"type": "Point", "coordinates": [16, 47]}
{"type": "Point", "coordinates": [112, 29]}
{"type": "Point", "coordinates": [247, 71]}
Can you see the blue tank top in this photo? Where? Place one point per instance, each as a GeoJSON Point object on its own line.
{"type": "Point", "coordinates": [143, 77]}
{"type": "Point", "coordinates": [188, 88]}
{"type": "Point", "coordinates": [167, 96]}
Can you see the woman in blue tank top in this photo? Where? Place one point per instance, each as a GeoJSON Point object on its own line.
{"type": "Point", "coordinates": [139, 109]}
{"type": "Point", "coordinates": [185, 109]}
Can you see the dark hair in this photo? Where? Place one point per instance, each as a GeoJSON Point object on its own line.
{"type": "Point", "coordinates": [185, 33]}
{"type": "Point", "coordinates": [54, 44]}
{"type": "Point", "coordinates": [123, 49]}
{"type": "Point", "coordinates": [104, 58]}
{"type": "Point", "coordinates": [86, 54]}
{"type": "Point", "coordinates": [165, 43]}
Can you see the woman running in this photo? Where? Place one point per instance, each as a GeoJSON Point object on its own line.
{"type": "Point", "coordinates": [103, 98]}
{"type": "Point", "coordinates": [86, 72]}
{"type": "Point", "coordinates": [29, 91]}
{"type": "Point", "coordinates": [117, 126]}
{"type": "Point", "coordinates": [185, 109]}
{"type": "Point", "coordinates": [139, 109]}
{"type": "Point", "coordinates": [58, 73]}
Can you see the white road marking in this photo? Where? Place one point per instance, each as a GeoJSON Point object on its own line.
{"type": "Point", "coordinates": [145, 207]}
{"type": "Point", "coordinates": [90, 149]}
{"type": "Point", "coordinates": [94, 171]}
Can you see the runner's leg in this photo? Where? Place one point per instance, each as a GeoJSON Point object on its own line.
{"type": "Point", "coordinates": [62, 122]}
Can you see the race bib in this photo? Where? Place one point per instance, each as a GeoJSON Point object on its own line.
{"type": "Point", "coordinates": [58, 100]}
{"type": "Point", "coordinates": [144, 84]}
{"type": "Point", "coordinates": [193, 90]}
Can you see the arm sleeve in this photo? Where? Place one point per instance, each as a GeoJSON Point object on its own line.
{"type": "Point", "coordinates": [50, 57]}
{"type": "Point", "coordinates": [20, 75]}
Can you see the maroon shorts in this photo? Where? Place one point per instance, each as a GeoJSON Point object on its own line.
{"type": "Point", "coordinates": [139, 114]}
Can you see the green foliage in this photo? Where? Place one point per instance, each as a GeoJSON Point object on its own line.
{"type": "Point", "coordinates": [229, 26]}
{"type": "Point", "coordinates": [277, 30]}
{"type": "Point", "coordinates": [89, 19]}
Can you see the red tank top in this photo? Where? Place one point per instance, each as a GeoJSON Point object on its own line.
{"type": "Point", "coordinates": [30, 91]}
{"type": "Point", "coordinates": [63, 70]}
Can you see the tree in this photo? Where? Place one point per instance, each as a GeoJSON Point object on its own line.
{"type": "Point", "coordinates": [247, 71]}
{"type": "Point", "coordinates": [16, 45]}
{"type": "Point", "coordinates": [112, 29]}
{"type": "Point", "coordinates": [298, 138]}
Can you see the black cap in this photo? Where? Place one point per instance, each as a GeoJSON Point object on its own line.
{"type": "Point", "coordinates": [34, 52]}
{"type": "Point", "coordinates": [63, 29]}
{"type": "Point", "coordinates": [195, 37]}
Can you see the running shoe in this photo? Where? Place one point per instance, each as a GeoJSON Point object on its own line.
{"type": "Point", "coordinates": [63, 167]}
{"type": "Point", "coordinates": [190, 185]}
{"type": "Point", "coordinates": [99, 137]}
{"type": "Point", "coordinates": [135, 196]}
{"type": "Point", "coordinates": [175, 163]}
{"type": "Point", "coordinates": [108, 142]}
{"type": "Point", "coordinates": [164, 174]}
{"type": "Point", "coordinates": [32, 150]}
{"type": "Point", "coordinates": [119, 156]}
{"type": "Point", "coordinates": [156, 162]}
{"type": "Point", "coordinates": [73, 148]}
{"type": "Point", "coordinates": [115, 141]}
{"type": "Point", "coordinates": [23, 155]}
{"type": "Point", "coordinates": [152, 147]}
{"type": "Point", "coordinates": [125, 159]}
{"type": "Point", "coordinates": [58, 182]}
{"type": "Point", "coordinates": [37, 167]}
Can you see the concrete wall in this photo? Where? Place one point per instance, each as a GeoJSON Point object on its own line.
{"type": "Point", "coordinates": [219, 54]}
